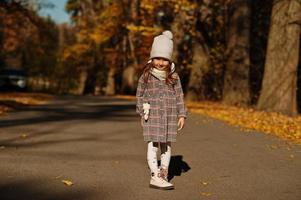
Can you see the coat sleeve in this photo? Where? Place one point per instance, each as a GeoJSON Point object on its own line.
{"type": "Point", "coordinates": [181, 108]}
{"type": "Point", "coordinates": [139, 96]}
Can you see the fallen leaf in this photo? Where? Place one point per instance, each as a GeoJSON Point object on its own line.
{"type": "Point", "coordinates": [206, 194]}
{"type": "Point", "coordinates": [23, 135]}
{"type": "Point", "coordinates": [67, 182]}
{"type": "Point", "coordinates": [205, 183]}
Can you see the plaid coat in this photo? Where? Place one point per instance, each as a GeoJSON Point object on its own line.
{"type": "Point", "coordinates": [166, 106]}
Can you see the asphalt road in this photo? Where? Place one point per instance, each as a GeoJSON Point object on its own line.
{"type": "Point", "coordinates": [97, 143]}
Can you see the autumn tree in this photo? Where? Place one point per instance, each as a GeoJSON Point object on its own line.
{"type": "Point", "coordinates": [96, 23]}
{"type": "Point", "coordinates": [236, 81]}
{"type": "Point", "coordinates": [260, 20]}
{"type": "Point", "coordinates": [194, 53]}
{"type": "Point", "coordinates": [28, 41]}
{"type": "Point", "coordinates": [279, 84]}
{"type": "Point", "coordinates": [208, 47]}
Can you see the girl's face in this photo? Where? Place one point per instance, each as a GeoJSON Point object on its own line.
{"type": "Point", "coordinates": [161, 63]}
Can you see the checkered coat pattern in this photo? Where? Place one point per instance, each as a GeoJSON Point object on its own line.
{"type": "Point", "coordinates": [166, 106]}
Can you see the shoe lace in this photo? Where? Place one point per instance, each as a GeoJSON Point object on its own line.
{"type": "Point", "coordinates": [163, 173]}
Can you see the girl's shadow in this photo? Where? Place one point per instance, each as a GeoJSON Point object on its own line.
{"type": "Point", "coordinates": [176, 166]}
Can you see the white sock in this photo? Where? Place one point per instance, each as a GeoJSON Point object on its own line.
{"type": "Point", "coordinates": [165, 154]}
{"type": "Point", "coordinates": [152, 157]}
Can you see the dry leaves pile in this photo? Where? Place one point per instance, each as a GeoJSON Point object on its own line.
{"type": "Point", "coordinates": [288, 128]}
{"type": "Point", "coordinates": [26, 98]}
{"type": "Point", "coordinates": [9, 100]}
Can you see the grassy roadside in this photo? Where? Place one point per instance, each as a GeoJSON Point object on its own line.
{"type": "Point", "coordinates": [248, 119]}
{"type": "Point", "coordinates": [9, 101]}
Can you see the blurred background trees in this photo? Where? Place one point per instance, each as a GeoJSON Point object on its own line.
{"type": "Point", "coordinates": [240, 52]}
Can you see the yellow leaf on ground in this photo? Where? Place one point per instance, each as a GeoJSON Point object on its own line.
{"type": "Point", "coordinates": [23, 135]}
{"type": "Point", "coordinates": [205, 183]}
{"type": "Point", "coordinates": [67, 182]}
{"type": "Point", "coordinates": [206, 194]}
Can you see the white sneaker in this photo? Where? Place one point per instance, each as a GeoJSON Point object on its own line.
{"type": "Point", "coordinates": [159, 182]}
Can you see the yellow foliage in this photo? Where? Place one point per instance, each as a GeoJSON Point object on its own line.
{"type": "Point", "coordinates": [74, 51]}
{"type": "Point", "coordinates": [102, 27]}
{"type": "Point", "coordinates": [178, 5]}
{"type": "Point", "coordinates": [145, 30]}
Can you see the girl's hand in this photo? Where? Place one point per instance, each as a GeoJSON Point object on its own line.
{"type": "Point", "coordinates": [181, 123]}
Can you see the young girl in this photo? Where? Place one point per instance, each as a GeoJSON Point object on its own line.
{"type": "Point", "coordinates": [161, 106]}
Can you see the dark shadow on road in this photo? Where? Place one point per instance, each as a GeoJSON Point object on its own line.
{"type": "Point", "coordinates": [89, 136]}
{"type": "Point", "coordinates": [12, 104]}
{"type": "Point", "coordinates": [82, 108]}
{"type": "Point", "coordinates": [176, 166]}
{"type": "Point", "coordinates": [36, 190]}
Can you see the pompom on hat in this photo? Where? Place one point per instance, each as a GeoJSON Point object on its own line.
{"type": "Point", "coordinates": [162, 46]}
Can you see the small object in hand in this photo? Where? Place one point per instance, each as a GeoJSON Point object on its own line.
{"type": "Point", "coordinates": [146, 107]}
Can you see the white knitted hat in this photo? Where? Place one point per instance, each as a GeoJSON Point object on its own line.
{"type": "Point", "coordinates": [162, 46]}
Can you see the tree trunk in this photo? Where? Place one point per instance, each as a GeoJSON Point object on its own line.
{"type": "Point", "coordinates": [186, 22]}
{"type": "Point", "coordinates": [129, 74]}
{"type": "Point", "coordinates": [128, 80]}
{"type": "Point", "coordinates": [236, 81]}
{"type": "Point", "coordinates": [280, 76]}
{"type": "Point", "coordinates": [110, 88]}
{"type": "Point", "coordinates": [112, 61]}
{"type": "Point", "coordinates": [83, 75]}
{"type": "Point", "coordinates": [178, 36]}
{"type": "Point", "coordinates": [199, 67]}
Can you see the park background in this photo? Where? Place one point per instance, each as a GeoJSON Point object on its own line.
{"type": "Point", "coordinates": [74, 133]}
{"type": "Point", "coordinates": [234, 57]}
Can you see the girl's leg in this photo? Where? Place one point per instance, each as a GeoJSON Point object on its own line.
{"type": "Point", "coordinates": [157, 180]}
{"type": "Point", "coordinates": [152, 149]}
{"type": "Point", "coordinates": [165, 158]}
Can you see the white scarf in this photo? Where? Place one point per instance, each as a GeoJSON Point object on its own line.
{"type": "Point", "coordinates": [161, 74]}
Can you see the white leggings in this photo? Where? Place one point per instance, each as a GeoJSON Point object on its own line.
{"type": "Point", "coordinates": [152, 149]}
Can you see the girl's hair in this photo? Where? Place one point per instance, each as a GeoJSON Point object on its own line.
{"type": "Point", "coordinates": [170, 80]}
